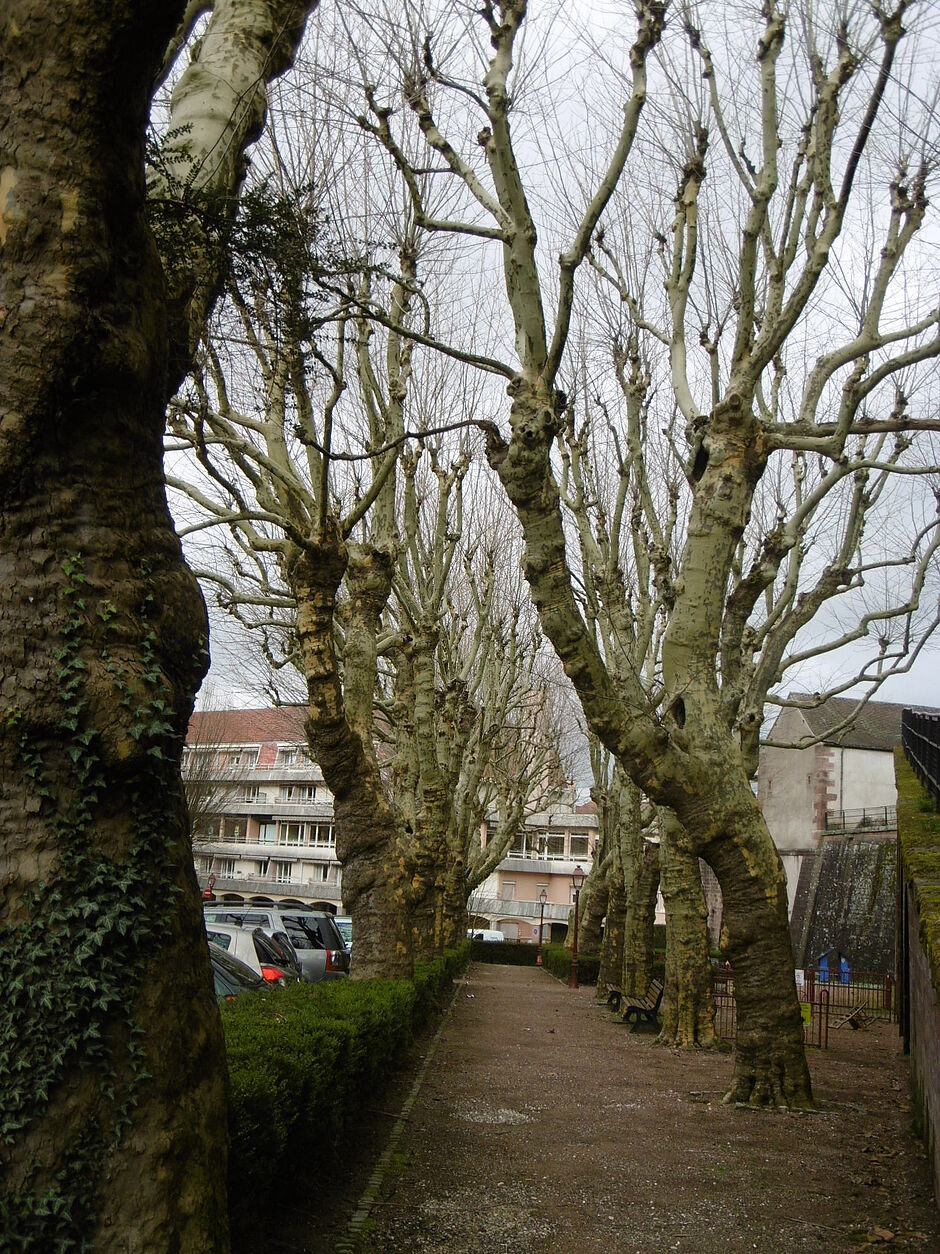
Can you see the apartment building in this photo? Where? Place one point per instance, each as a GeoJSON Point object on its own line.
{"type": "Point", "coordinates": [262, 814]}
{"type": "Point", "coordinates": [263, 828]}
{"type": "Point", "coordinates": [543, 857]}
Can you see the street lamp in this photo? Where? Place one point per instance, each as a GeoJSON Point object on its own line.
{"type": "Point", "coordinates": [577, 883]}
{"type": "Point", "coordinates": [543, 897]}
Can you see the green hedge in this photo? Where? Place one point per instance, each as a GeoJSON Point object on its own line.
{"type": "Point", "coordinates": [510, 953]}
{"type": "Point", "coordinates": [301, 1058]}
{"type": "Point", "coordinates": [556, 959]}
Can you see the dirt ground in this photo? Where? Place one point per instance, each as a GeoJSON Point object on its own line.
{"type": "Point", "coordinates": [543, 1123]}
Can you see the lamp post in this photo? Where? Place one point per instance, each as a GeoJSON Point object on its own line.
{"type": "Point", "coordinates": [577, 882]}
{"type": "Point", "coordinates": [543, 897]}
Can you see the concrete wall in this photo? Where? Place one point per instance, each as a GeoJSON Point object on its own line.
{"type": "Point", "coordinates": [865, 779]}
{"type": "Point", "coordinates": [787, 784]}
{"type": "Point", "coordinates": [924, 1038]}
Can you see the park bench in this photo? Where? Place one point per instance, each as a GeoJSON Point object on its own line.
{"type": "Point", "coordinates": [645, 1008]}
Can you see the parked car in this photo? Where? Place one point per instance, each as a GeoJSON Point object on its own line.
{"type": "Point", "coordinates": [231, 977]}
{"type": "Point", "coordinates": [319, 945]}
{"type": "Point", "coordinates": [344, 926]}
{"type": "Point", "coordinates": [267, 956]}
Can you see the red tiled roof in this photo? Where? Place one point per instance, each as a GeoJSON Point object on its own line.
{"type": "Point", "coordinates": [283, 724]}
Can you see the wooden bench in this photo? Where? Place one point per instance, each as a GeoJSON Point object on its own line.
{"type": "Point", "coordinates": [641, 1009]}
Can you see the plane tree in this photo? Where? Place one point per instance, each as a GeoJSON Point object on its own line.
{"type": "Point", "coordinates": [473, 737]}
{"type": "Point", "coordinates": [312, 455]}
{"type": "Point", "coordinates": [290, 397]}
{"type": "Point", "coordinates": [114, 1110]}
{"type": "Point", "coordinates": [621, 488]}
{"type": "Point", "coordinates": [781, 165]}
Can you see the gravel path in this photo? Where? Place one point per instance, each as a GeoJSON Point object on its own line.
{"type": "Point", "coordinates": [542, 1123]}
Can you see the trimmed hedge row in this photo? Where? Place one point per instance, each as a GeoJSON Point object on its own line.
{"type": "Point", "coordinates": [508, 953]}
{"type": "Point", "coordinates": [300, 1059]}
{"type": "Point", "coordinates": [556, 959]}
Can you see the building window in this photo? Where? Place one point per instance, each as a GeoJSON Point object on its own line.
{"type": "Point", "coordinates": [206, 826]}
{"type": "Point", "coordinates": [555, 844]}
{"type": "Point", "coordinates": [292, 834]}
{"type": "Point", "coordinates": [579, 847]}
{"type": "Point", "coordinates": [508, 890]}
{"type": "Point", "coordinates": [320, 873]}
{"type": "Point", "coordinates": [263, 864]}
{"type": "Point", "coordinates": [226, 869]}
{"type": "Point", "coordinates": [267, 832]}
{"type": "Point", "coordinates": [322, 834]}
{"type": "Point", "coordinates": [518, 846]}
{"type": "Point", "coordinates": [249, 792]}
{"type": "Point", "coordinates": [287, 757]}
{"type": "Point", "coordinates": [283, 872]}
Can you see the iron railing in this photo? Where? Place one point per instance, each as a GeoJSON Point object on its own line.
{"type": "Point", "coordinates": [869, 818]}
{"type": "Point", "coordinates": [920, 737]}
{"type": "Point", "coordinates": [823, 994]}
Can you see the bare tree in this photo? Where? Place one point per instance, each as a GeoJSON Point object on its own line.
{"type": "Point", "coordinates": [746, 298]}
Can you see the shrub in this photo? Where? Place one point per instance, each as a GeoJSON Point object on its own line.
{"type": "Point", "coordinates": [556, 959]}
{"type": "Point", "coordinates": [510, 953]}
{"type": "Point", "coordinates": [301, 1059]}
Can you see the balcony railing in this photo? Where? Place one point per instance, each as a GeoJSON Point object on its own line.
{"type": "Point", "coordinates": [269, 886]}
{"type": "Point", "coordinates": [867, 819]}
{"type": "Point", "coordinates": [223, 845]}
{"type": "Point", "coordinates": [237, 804]}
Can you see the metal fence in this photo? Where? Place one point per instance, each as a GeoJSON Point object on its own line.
{"type": "Point", "coordinates": [828, 1000]}
{"type": "Point", "coordinates": [873, 991]}
{"type": "Point", "coordinates": [815, 1016]}
{"type": "Point", "coordinates": [920, 737]}
{"type": "Point", "coordinates": [868, 818]}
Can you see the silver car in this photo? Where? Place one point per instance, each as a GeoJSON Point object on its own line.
{"type": "Point", "coordinates": [272, 960]}
{"type": "Point", "coordinates": [319, 946]}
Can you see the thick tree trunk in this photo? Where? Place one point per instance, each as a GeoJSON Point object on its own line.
{"type": "Point", "coordinates": [594, 898]}
{"type": "Point", "coordinates": [770, 1063]}
{"type": "Point", "coordinates": [610, 970]}
{"type": "Point", "coordinates": [688, 1007]}
{"type": "Point", "coordinates": [114, 1087]}
{"type": "Point", "coordinates": [456, 895]}
{"type": "Point", "coordinates": [642, 890]}
{"type": "Point", "coordinates": [368, 836]}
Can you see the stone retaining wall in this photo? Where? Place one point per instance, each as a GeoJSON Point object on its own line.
{"type": "Point", "coordinates": [919, 951]}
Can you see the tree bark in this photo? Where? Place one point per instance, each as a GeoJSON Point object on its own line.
{"type": "Point", "coordinates": [594, 899]}
{"type": "Point", "coordinates": [610, 970]}
{"type": "Point", "coordinates": [688, 1007]}
{"type": "Point", "coordinates": [339, 731]}
{"type": "Point", "coordinates": [114, 1102]}
{"type": "Point", "coordinates": [642, 890]}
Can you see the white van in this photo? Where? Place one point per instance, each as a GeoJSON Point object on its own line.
{"type": "Point", "coordinates": [485, 934]}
